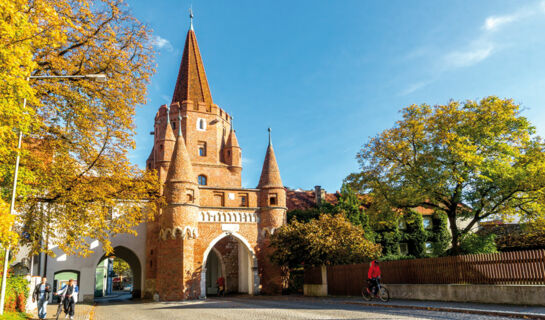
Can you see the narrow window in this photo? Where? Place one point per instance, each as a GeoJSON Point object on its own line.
{"type": "Point", "coordinates": [190, 195]}
{"type": "Point", "coordinates": [174, 125]}
{"type": "Point", "coordinates": [243, 199]}
{"type": "Point", "coordinates": [272, 200]}
{"type": "Point", "coordinates": [202, 148]}
{"type": "Point", "coordinates": [202, 180]}
{"type": "Point", "coordinates": [201, 124]}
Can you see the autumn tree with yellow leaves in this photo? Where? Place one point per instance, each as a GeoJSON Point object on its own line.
{"type": "Point", "coordinates": [470, 160]}
{"type": "Point", "coordinates": [75, 182]}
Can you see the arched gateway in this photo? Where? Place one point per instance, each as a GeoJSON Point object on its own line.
{"type": "Point", "coordinates": [211, 225]}
{"type": "Point", "coordinates": [231, 256]}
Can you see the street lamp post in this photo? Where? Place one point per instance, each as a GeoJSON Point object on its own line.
{"type": "Point", "coordinates": [94, 77]}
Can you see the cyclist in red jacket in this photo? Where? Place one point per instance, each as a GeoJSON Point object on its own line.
{"type": "Point", "coordinates": [373, 275]}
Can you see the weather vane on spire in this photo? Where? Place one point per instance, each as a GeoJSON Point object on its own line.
{"type": "Point", "coordinates": [270, 136]}
{"type": "Point", "coordinates": [190, 18]}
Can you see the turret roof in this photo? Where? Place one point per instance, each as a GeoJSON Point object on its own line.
{"type": "Point", "coordinates": [232, 140]}
{"type": "Point", "coordinates": [270, 174]}
{"type": "Point", "coordinates": [180, 169]}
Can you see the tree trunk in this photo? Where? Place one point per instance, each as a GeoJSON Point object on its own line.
{"type": "Point", "coordinates": [455, 250]}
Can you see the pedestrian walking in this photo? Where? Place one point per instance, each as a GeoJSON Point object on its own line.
{"type": "Point", "coordinates": [70, 294]}
{"type": "Point", "coordinates": [221, 286]}
{"type": "Point", "coordinates": [41, 294]}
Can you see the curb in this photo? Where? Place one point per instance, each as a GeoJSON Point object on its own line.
{"type": "Point", "coordinates": [457, 310]}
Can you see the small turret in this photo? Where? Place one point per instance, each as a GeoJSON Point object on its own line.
{"type": "Point", "coordinates": [178, 226]}
{"type": "Point", "coordinates": [181, 181]}
{"type": "Point", "coordinates": [232, 152]}
{"type": "Point", "coordinates": [272, 214]}
{"type": "Point", "coordinates": [164, 145]}
{"type": "Point", "coordinates": [150, 162]}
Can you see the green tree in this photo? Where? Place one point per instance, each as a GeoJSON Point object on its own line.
{"type": "Point", "coordinates": [350, 204]}
{"type": "Point", "coordinates": [385, 225]}
{"type": "Point", "coordinates": [328, 240]}
{"type": "Point", "coordinates": [415, 235]}
{"type": "Point", "coordinates": [439, 235]}
{"type": "Point", "coordinates": [469, 160]}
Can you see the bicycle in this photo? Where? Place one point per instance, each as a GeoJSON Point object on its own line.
{"type": "Point", "coordinates": [382, 292]}
{"type": "Point", "coordinates": [59, 308]}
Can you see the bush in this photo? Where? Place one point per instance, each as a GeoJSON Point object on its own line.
{"type": "Point", "coordinates": [16, 294]}
{"type": "Point", "coordinates": [475, 243]}
{"type": "Point", "coordinates": [393, 257]}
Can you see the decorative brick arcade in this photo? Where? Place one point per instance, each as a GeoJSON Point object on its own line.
{"type": "Point", "coordinates": [208, 213]}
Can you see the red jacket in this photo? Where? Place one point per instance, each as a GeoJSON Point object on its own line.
{"type": "Point", "coordinates": [374, 271]}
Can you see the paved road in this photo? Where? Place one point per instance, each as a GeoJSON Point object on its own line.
{"type": "Point", "coordinates": [241, 308]}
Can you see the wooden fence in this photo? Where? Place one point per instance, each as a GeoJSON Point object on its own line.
{"type": "Point", "coordinates": [520, 267]}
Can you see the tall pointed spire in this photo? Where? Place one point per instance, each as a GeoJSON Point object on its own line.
{"type": "Point", "coordinates": [191, 83]}
{"type": "Point", "coordinates": [270, 174]}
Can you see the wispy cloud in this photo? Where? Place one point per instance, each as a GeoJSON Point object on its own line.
{"type": "Point", "coordinates": [494, 22]}
{"type": "Point", "coordinates": [465, 58]}
{"type": "Point", "coordinates": [161, 43]}
{"type": "Point", "coordinates": [481, 47]}
{"type": "Point", "coordinates": [414, 87]}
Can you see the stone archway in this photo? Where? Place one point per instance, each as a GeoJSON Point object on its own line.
{"type": "Point", "coordinates": [132, 259]}
{"type": "Point", "coordinates": [246, 279]}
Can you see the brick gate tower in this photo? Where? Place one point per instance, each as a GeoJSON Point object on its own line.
{"type": "Point", "coordinates": [210, 227]}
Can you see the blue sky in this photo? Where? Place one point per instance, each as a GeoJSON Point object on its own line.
{"type": "Point", "coordinates": [327, 75]}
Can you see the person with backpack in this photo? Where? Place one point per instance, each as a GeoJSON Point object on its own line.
{"type": "Point", "coordinates": [69, 294]}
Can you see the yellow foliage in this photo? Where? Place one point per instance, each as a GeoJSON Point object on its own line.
{"type": "Point", "coordinates": [8, 237]}
{"type": "Point", "coordinates": [74, 165]}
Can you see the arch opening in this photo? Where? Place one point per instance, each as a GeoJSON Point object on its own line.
{"type": "Point", "coordinates": [231, 257]}
{"type": "Point", "coordinates": [118, 275]}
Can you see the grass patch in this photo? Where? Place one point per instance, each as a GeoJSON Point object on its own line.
{"type": "Point", "coordinates": [15, 316]}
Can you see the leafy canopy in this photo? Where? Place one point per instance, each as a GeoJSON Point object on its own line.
{"type": "Point", "coordinates": [74, 165]}
{"type": "Point", "coordinates": [328, 240]}
{"type": "Point", "coordinates": [470, 160]}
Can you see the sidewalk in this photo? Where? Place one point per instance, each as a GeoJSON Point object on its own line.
{"type": "Point", "coordinates": [83, 312]}
{"type": "Point", "coordinates": [528, 312]}
{"type": "Point", "coordinates": [512, 311]}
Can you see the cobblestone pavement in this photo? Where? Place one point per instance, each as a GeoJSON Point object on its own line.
{"type": "Point", "coordinates": [241, 308]}
{"type": "Point", "coordinates": [83, 312]}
